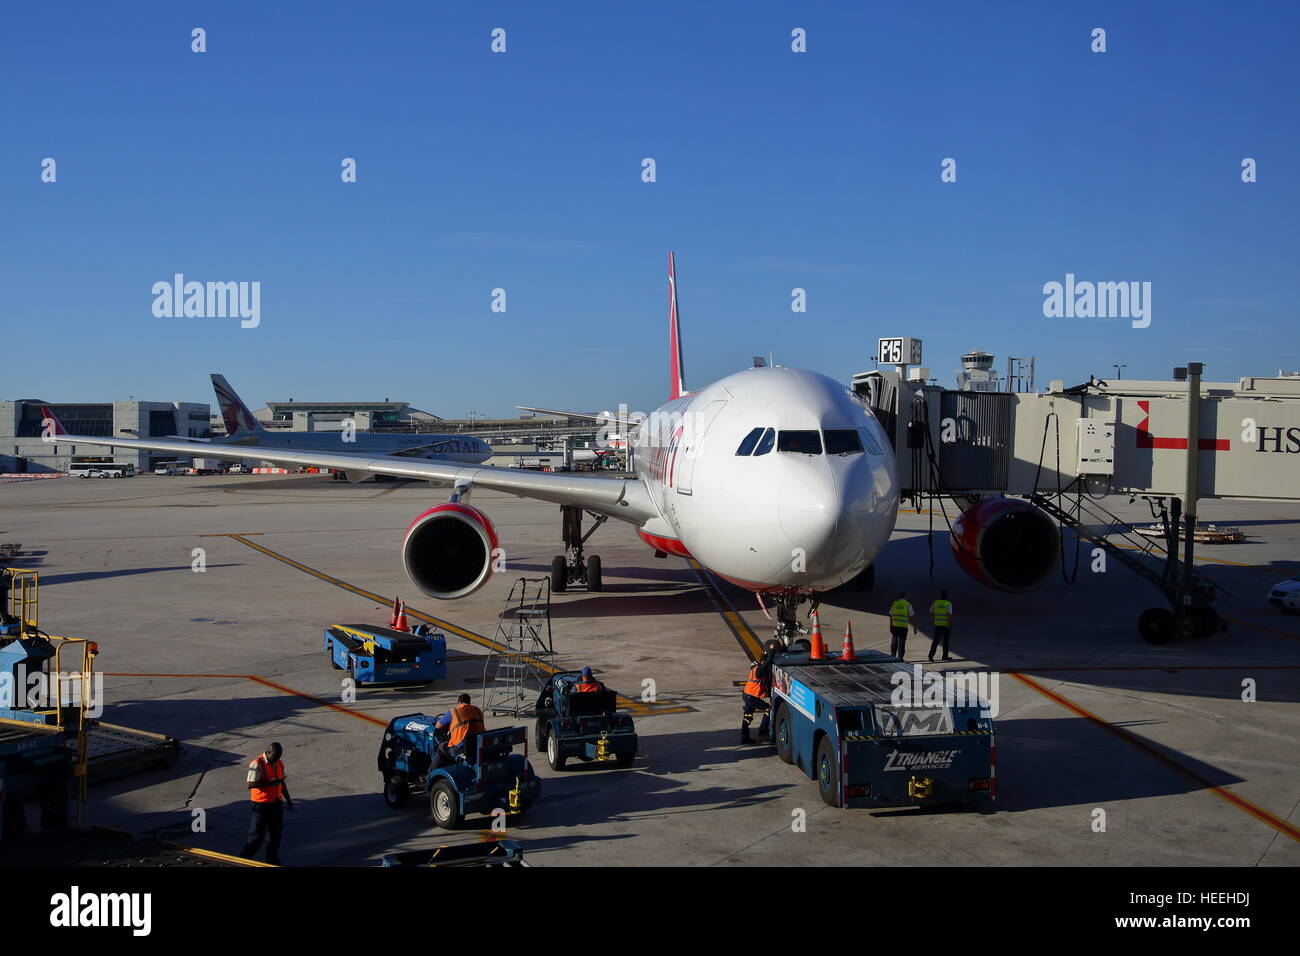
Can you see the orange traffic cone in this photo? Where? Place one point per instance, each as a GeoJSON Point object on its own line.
{"type": "Point", "coordinates": [848, 654]}
{"type": "Point", "coordinates": [398, 621]}
{"type": "Point", "coordinates": [818, 651]}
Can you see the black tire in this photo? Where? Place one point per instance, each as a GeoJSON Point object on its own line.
{"type": "Point", "coordinates": [828, 773]}
{"type": "Point", "coordinates": [625, 760]}
{"type": "Point", "coordinates": [444, 804]}
{"type": "Point", "coordinates": [1156, 625]}
{"type": "Point", "coordinates": [553, 753]}
{"type": "Point", "coordinates": [539, 735]}
{"type": "Point", "coordinates": [594, 582]}
{"type": "Point", "coordinates": [1202, 621]}
{"type": "Point", "coordinates": [559, 574]}
{"type": "Point", "coordinates": [397, 792]}
{"type": "Point", "coordinates": [781, 733]}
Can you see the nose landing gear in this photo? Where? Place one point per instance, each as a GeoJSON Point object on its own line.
{"type": "Point", "coordinates": [576, 568]}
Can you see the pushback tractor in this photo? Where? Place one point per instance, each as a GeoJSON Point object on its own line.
{"type": "Point", "coordinates": [873, 733]}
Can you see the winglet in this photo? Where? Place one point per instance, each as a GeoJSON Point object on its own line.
{"type": "Point", "coordinates": [676, 371]}
{"type": "Point", "coordinates": [48, 420]}
{"type": "Point", "coordinates": [238, 419]}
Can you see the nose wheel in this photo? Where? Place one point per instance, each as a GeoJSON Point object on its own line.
{"type": "Point", "coordinates": [577, 568]}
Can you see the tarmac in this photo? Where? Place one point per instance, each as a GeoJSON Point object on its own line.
{"type": "Point", "coordinates": [1111, 752]}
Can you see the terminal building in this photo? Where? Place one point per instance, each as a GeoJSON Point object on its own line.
{"type": "Point", "coordinates": [330, 416]}
{"type": "Point", "coordinates": [23, 450]}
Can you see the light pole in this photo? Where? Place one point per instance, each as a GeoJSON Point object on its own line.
{"type": "Point", "coordinates": [1119, 371]}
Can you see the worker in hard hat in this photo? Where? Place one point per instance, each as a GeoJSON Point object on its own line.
{"type": "Point", "coordinates": [587, 684]}
{"type": "Point", "coordinates": [755, 693]}
{"type": "Point", "coordinates": [941, 616]}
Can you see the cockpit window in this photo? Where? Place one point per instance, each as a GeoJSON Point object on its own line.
{"type": "Point", "coordinates": [749, 441]}
{"type": "Point", "coordinates": [766, 442]}
{"type": "Point", "coordinates": [842, 441]}
{"type": "Point", "coordinates": [800, 442]}
{"type": "Point", "coordinates": [869, 440]}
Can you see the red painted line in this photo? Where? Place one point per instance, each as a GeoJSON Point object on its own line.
{"type": "Point", "coordinates": [1241, 803]}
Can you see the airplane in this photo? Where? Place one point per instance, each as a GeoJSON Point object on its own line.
{"type": "Point", "coordinates": [243, 429]}
{"type": "Point", "coordinates": [779, 480]}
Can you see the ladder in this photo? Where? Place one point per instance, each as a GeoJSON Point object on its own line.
{"type": "Point", "coordinates": [523, 651]}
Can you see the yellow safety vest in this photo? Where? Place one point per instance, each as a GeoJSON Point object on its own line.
{"type": "Point", "coordinates": [898, 616]}
{"type": "Point", "coordinates": [941, 613]}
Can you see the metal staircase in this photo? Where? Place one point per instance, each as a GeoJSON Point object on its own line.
{"type": "Point", "coordinates": [1145, 557]}
{"type": "Point", "coordinates": [514, 672]}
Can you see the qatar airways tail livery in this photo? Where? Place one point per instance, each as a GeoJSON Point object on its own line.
{"type": "Point", "coordinates": [243, 429]}
{"type": "Point", "coordinates": [779, 480]}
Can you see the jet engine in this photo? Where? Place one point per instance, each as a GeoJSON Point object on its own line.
{"type": "Point", "coordinates": [449, 550]}
{"type": "Point", "coordinates": [1006, 543]}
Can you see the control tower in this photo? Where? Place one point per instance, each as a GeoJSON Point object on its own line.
{"type": "Point", "coordinates": [977, 374]}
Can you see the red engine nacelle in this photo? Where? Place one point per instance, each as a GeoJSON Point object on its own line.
{"type": "Point", "coordinates": [1006, 543]}
{"type": "Point", "coordinates": [449, 550]}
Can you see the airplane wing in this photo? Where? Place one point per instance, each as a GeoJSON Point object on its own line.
{"type": "Point", "coordinates": [605, 419]}
{"type": "Point", "coordinates": [624, 499]}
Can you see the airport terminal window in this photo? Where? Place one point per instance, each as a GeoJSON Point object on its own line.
{"type": "Point", "coordinates": [800, 442]}
{"type": "Point", "coordinates": [765, 443]}
{"type": "Point", "coordinates": [842, 441]}
{"type": "Point", "coordinates": [869, 440]}
{"type": "Point", "coordinates": [749, 441]}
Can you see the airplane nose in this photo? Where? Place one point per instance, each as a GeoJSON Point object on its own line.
{"type": "Point", "coordinates": [824, 509]}
{"type": "Point", "coordinates": [809, 506]}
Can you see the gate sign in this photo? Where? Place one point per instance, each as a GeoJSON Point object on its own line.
{"type": "Point", "coordinates": [898, 351]}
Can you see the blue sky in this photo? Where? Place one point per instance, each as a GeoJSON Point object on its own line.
{"type": "Point", "coordinates": [522, 171]}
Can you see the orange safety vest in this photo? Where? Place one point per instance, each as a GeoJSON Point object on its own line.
{"type": "Point", "coordinates": [588, 688]}
{"type": "Point", "coordinates": [270, 771]}
{"type": "Point", "coordinates": [753, 686]}
{"type": "Point", "coordinates": [466, 719]}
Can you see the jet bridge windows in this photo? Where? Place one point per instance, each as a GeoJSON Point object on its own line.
{"type": "Point", "coordinates": [800, 442]}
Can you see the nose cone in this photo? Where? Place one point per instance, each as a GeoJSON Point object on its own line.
{"type": "Point", "coordinates": [829, 509]}
{"type": "Point", "coordinates": [808, 504]}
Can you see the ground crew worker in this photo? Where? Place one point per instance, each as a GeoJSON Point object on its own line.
{"type": "Point", "coordinates": [754, 695]}
{"type": "Point", "coordinates": [901, 615]}
{"type": "Point", "coordinates": [941, 615]}
{"type": "Point", "coordinates": [463, 722]}
{"type": "Point", "coordinates": [587, 684]}
{"type": "Point", "coordinates": [269, 795]}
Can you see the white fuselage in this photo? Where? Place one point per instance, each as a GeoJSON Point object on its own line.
{"type": "Point", "coordinates": [779, 518]}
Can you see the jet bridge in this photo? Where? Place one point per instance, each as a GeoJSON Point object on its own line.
{"type": "Point", "coordinates": [1021, 465]}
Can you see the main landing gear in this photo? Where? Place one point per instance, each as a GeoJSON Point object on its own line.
{"type": "Point", "coordinates": [577, 569]}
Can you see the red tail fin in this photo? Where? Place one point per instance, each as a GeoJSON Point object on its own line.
{"type": "Point", "coordinates": [675, 368]}
{"type": "Point", "coordinates": [49, 424]}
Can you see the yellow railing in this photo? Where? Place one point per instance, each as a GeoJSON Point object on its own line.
{"type": "Point", "coordinates": [23, 597]}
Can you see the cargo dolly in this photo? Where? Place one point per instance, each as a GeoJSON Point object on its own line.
{"type": "Point", "coordinates": [844, 724]}
{"type": "Point", "coordinates": [383, 655]}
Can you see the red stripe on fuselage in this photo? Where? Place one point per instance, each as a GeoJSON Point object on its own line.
{"type": "Point", "coordinates": [666, 545]}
